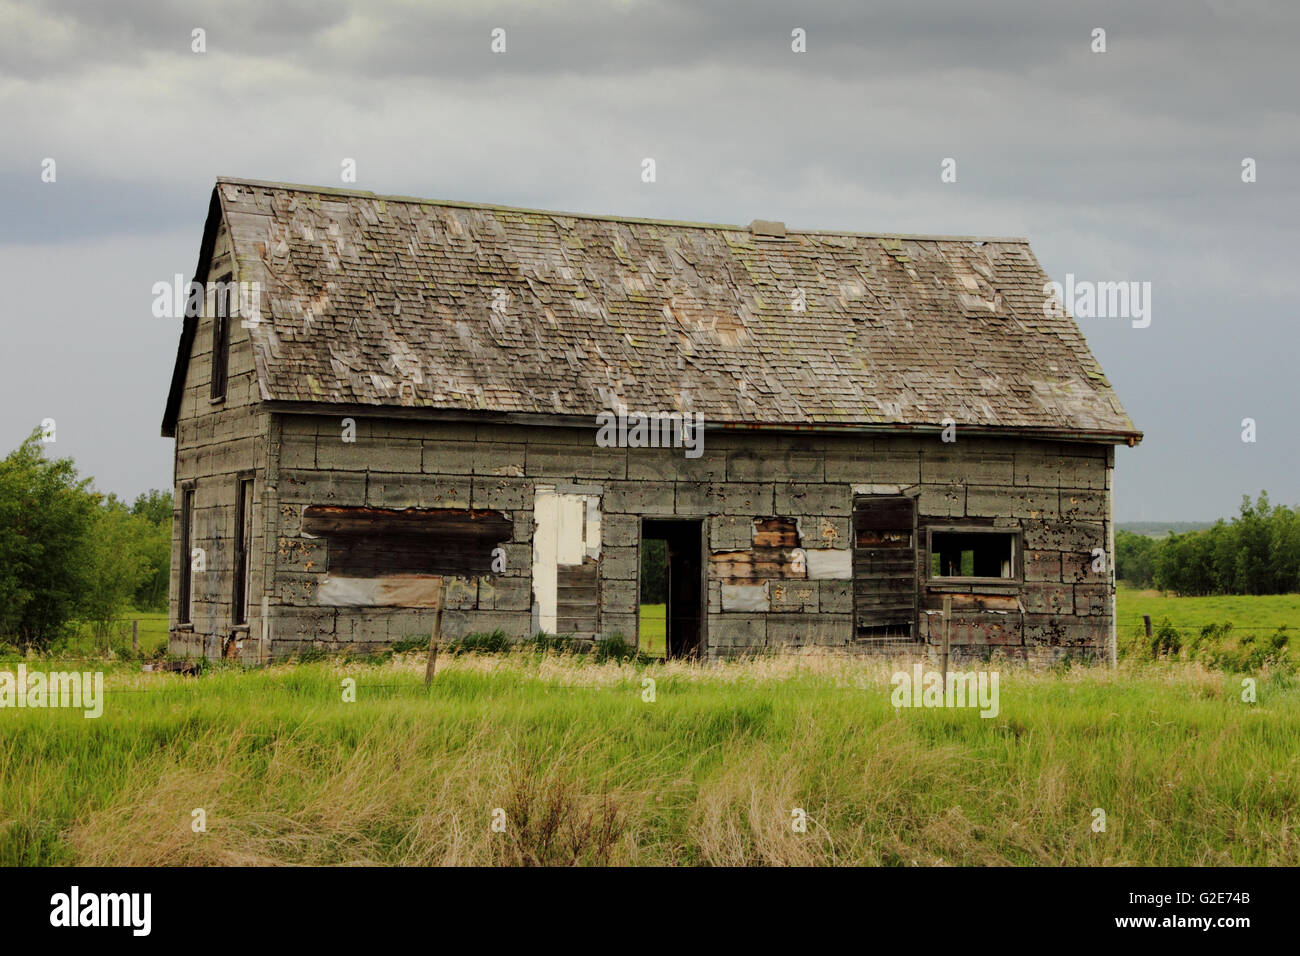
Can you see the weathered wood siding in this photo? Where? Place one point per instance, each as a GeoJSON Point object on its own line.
{"type": "Point", "coordinates": [761, 495]}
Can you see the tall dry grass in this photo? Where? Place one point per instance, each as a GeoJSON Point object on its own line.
{"type": "Point", "coordinates": [583, 771]}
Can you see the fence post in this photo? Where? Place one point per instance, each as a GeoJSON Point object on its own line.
{"type": "Point", "coordinates": [135, 637]}
{"type": "Point", "coordinates": [434, 637]}
{"type": "Point", "coordinates": [1146, 622]}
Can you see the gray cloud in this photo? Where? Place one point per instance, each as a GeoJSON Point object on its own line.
{"type": "Point", "coordinates": [1123, 165]}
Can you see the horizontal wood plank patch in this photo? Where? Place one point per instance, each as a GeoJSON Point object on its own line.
{"type": "Point", "coordinates": [374, 542]}
{"type": "Point", "coordinates": [577, 598]}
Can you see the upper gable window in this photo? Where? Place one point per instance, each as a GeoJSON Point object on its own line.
{"type": "Point", "coordinates": [222, 307]}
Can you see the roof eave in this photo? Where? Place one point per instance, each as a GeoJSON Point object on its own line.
{"type": "Point", "coordinates": [190, 324]}
{"type": "Point", "coordinates": [425, 413]}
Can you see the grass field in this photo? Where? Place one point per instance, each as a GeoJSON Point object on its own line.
{"type": "Point", "coordinates": [654, 630]}
{"type": "Point", "coordinates": [1242, 611]}
{"type": "Point", "coordinates": [153, 635]}
{"type": "Point", "coordinates": [584, 769]}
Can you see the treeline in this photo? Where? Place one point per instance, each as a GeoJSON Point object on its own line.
{"type": "Point", "coordinates": [1257, 552]}
{"type": "Point", "coordinates": [654, 571]}
{"type": "Point", "coordinates": [69, 554]}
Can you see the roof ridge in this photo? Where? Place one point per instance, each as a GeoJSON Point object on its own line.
{"type": "Point", "coordinates": [464, 204]}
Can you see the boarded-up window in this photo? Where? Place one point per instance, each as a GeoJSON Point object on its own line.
{"type": "Point", "coordinates": [184, 599]}
{"type": "Point", "coordinates": [221, 339]}
{"type": "Point", "coordinates": [884, 568]}
{"type": "Point", "coordinates": [970, 554]}
{"type": "Point", "coordinates": [243, 548]}
{"type": "Point", "coordinates": [373, 542]}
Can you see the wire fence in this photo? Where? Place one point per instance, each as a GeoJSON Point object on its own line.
{"type": "Point", "coordinates": [11, 660]}
{"type": "Point", "coordinates": [193, 689]}
{"type": "Point", "coordinates": [341, 656]}
{"type": "Point", "coordinates": [1157, 621]}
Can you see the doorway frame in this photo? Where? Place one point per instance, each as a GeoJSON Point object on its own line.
{"type": "Point", "coordinates": [702, 522]}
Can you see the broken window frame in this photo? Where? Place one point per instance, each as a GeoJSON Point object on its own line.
{"type": "Point", "coordinates": [1014, 537]}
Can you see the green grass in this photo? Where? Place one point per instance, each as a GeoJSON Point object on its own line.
{"type": "Point", "coordinates": [83, 642]}
{"type": "Point", "coordinates": [654, 630]}
{"type": "Point", "coordinates": [153, 634]}
{"type": "Point", "coordinates": [586, 770]}
{"type": "Point", "coordinates": [1242, 611]}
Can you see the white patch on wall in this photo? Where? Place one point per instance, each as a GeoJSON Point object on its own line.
{"type": "Point", "coordinates": [571, 536]}
{"type": "Point", "coordinates": [404, 590]}
{"type": "Point", "coordinates": [746, 597]}
{"type": "Point", "coordinates": [879, 489]}
{"type": "Point", "coordinates": [567, 530]}
{"type": "Point", "coordinates": [593, 527]}
{"type": "Point", "coordinates": [829, 563]}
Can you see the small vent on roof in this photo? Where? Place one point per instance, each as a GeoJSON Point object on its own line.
{"type": "Point", "coordinates": [767, 228]}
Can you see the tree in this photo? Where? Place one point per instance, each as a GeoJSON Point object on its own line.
{"type": "Point", "coordinates": [1184, 563]}
{"type": "Point", "coordinates": [1135, 559]}
{"type": "Point", "coordinates": [1258, 552]}
{"type": "Point", "coordinates": [155, 508]}
{"type": "Point", "coordinates": [1284, 551]}
{"type": "Point", "coordinates": [1251, 565]}
{"type": "Point", "coordinates": [46, 516]}
{"type": "Point", "coordinates": [118, 564]}
{"type": "Point", "coordinates": [654, 571]}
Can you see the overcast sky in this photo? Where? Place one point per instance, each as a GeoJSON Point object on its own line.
{"type": "Point", "coordinates": [1118, 166]}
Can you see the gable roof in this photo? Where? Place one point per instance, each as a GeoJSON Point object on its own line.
{"type": "Point", "coordinates": [395, 302]}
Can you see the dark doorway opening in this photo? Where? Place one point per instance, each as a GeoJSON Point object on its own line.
{"type": "Point", "coordinates": [682, 589]}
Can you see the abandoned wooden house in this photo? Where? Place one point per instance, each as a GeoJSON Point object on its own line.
{"type": "Point", "coordinates": [386, 402]}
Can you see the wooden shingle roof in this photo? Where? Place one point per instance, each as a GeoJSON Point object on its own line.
{"type": "Point", "coordinates": [383, 301]}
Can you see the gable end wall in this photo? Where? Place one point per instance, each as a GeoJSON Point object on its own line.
{"type": "Point", "coordinates": [216, 442]}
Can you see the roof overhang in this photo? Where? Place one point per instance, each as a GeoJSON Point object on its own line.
{"type": "Point", "coordinates": [538, 419]}
{"type": "Point", "coordinates": [190, 324]}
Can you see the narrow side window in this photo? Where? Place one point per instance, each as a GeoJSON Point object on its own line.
{"type": "Point", "coordinates": [243, 546]}
{"type": "Point", "coordinates": [183, 611]}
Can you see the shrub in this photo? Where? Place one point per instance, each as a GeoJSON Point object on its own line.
{"type": "Point", "coordinates": [1166, 641]}
{"type": "Point", "coordinates": [1218, 646]}
{"type": "Point", "coordinates": [46, 517]}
